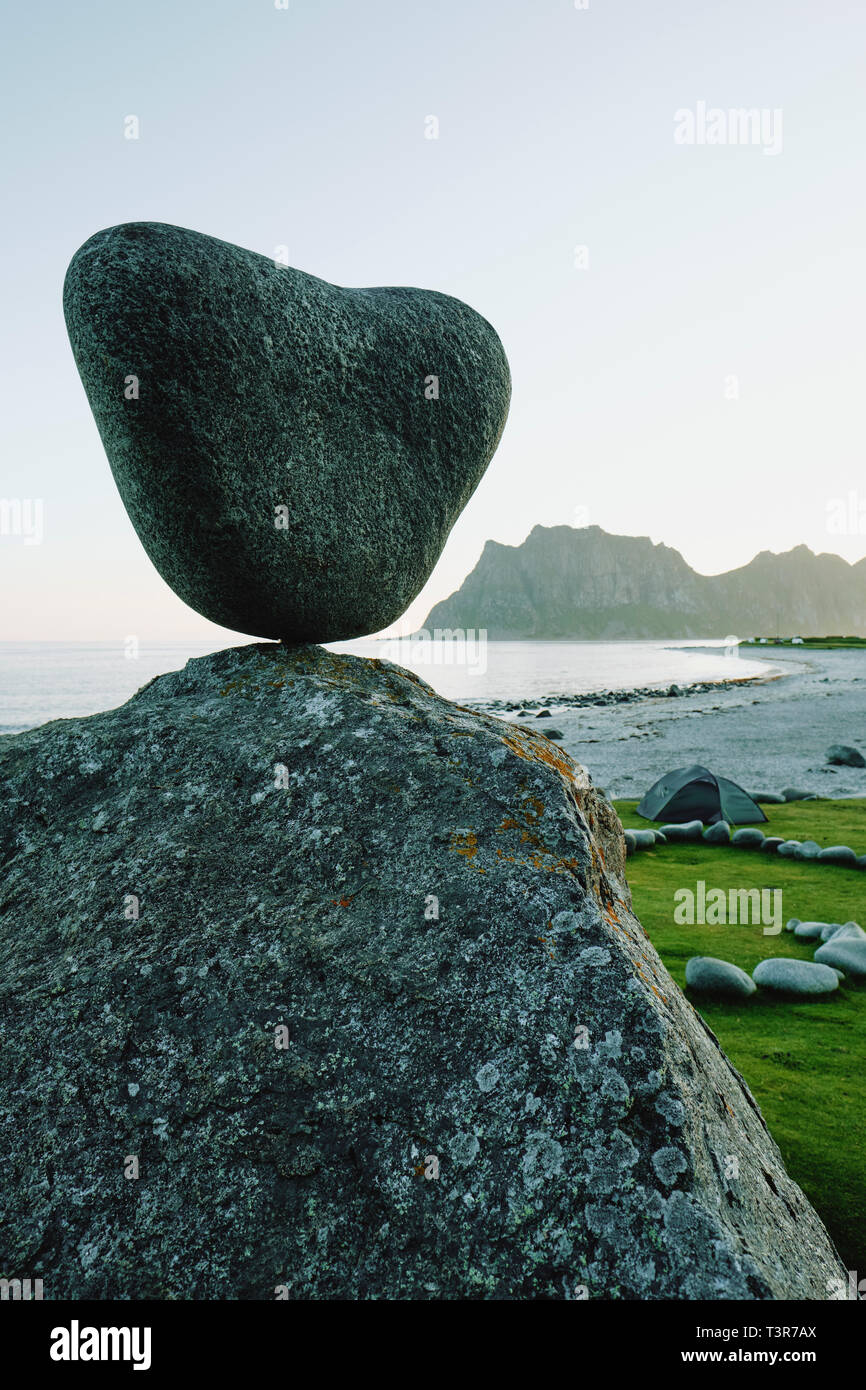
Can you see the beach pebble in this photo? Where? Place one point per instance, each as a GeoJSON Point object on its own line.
{"type": "Point", "coordinates": [787, 847]}
{"type": "Point", "coordinates": [843, 755]}
{"type": "Point", "coordinates": [748, 837]}
{"type": "Point", "coordinates": [793, 794]}
{"type": "Point", "coordinates": [807, 850]}
{"type": "Point", "coordinates": [553, 733]}
{"type": "Point", "coordinates": [809, 931]}
{"type": "Point", "coordinates": [792, 924]}
{"type": "Point", "coordinates": [790, 976]}
{"type": "Point", "coordinates": [849, 955]}
{"type": "Point", "coordinates": [718, 834]}
{"type": "Point", "coordinates": [661, 838]}
{"type": "Point", "coordinates": [675, 690]}
{"type": "Point", "coordinates": [771, 844]}
{"type": "Point", "coordinates": [689, 830]}
{"type": "Point", "coordinates": [838, 854]}
{"type": "Point", "coordinates": [710, 975]}
{"type": "Point", "coordinates": [644, 839]}
{"type": "Point", "coordinates": [630, 845]}
{"type": "Point", "coordinates": [544, 714]}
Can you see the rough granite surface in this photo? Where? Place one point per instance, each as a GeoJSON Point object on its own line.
{"type": "Point", "coordinates": [227, 386]}
{"type": "Point", "coordinates": [290, 1043]}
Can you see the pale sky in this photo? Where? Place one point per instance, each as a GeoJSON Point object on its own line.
{"type": "Point", "coordinates": [699, 380]}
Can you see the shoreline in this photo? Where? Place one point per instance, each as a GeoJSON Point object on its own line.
{"type": "Point", "coordinates": [632, 695]}
{"type": "Point", "coordinates": [768, 731]}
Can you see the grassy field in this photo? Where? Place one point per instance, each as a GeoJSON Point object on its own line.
{"type": "Point", "coordinates": [805, 1061]}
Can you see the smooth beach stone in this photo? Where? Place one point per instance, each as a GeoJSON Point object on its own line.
{"type": "Point", "coordinates": [552, 733]}
{"type": "Point", "coordinates": [771, 844]}
{"type": "Point", "coordinates": [787, 847]}
{"type": "Point", "coordinates": [748, 838]}
{"type": "Point", "coordinates": [849, 955]}
{"type": "Point", "coordinates": [838, 854]}
{"type": "Point", "coordinates": [718, 834]}
{"type": "Point", "coordinates": [793, 794]}
{"type": "Point", "coordinates": [830, 930]}
{"type": "Point", "coordinates": [689, 830]}
{"type": "Point", "coordinates": [809, 931]}
{"type": "Point", "coordinates": [544, 714]}
{"type": "Point", "coordinates": [851, 931]}
{"type": "Point", "coordinates": [710, 975]}
{"type": "Point", "coordinates": [630, 843]}
{"type": "Point", "coordinates": [644, 839]}
{"type": "Point", "coordinates": [792, 924]}
{"type": "Point", "coordinates": [292, 454]}
{"type": "Point", "coordinates": [807, 850]}
{"type": "Point", "coordinates": [791, 976]}
{"type": "Point", "coordinates": [661, 838]}
{"type": "Point", "coordinates": [843, 755]}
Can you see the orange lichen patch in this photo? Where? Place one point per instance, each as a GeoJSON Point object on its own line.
{"type": "Point", "coordinates": [538, 749]}
{"type": "Point", "coordinates": [342, 902]}
{"type": "Point", "coordinates": [465, 845]}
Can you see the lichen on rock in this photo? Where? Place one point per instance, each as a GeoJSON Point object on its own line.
{"type": "Point", "coordinates": [352, 974]}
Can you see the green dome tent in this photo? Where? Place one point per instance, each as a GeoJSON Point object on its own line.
{"type": "Point", "coordinates": [695, 793]}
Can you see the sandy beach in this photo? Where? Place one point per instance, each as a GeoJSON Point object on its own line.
{"type": "Point", "coordinates": [766, 733]}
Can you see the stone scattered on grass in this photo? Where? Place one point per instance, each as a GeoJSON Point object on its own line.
{"type": "Point", "coordinates": [810, 931]}
{"type": "Point", "coordinates": [718, 834]}
{"type": "Point", "coordinates": [709, 975]}
{"type": "Point", "coordinates": [748, 837]}
{"type": "Point", "coordinates": [849, 955]}
{"type": "Point", "coordinates": [809, 849]}
{"type": "Point", "coordinates": [688, 831]}
{"type": "Point", "coordinates": [838, 854]}
{"type": "Point", "coordinates": [771, 844]}
{"type": "Point", "coordinates": [786, 975]}
{"type": "Point", "coordinates": [794, 794]}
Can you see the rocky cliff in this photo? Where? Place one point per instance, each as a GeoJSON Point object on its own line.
{"type": "Point", "coordinates": [586, 584]}
{"type": "Point", "coordinates": [315, 985]}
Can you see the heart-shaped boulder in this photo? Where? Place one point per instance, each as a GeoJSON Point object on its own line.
{"type": "Point", "coordinates": [293, 455]}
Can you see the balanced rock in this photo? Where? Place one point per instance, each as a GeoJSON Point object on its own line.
{"type": "Point", "coordinates": [709, 975]}
{"type": "Point", "coordinates": [336, 936]}
{"type": "Point", "coordinates": [292, 454]}
{"type": "Point", "coordinates": [787, 975]}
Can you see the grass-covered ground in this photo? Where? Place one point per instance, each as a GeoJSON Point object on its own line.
{"type": "Point", "coordinates": [805, 1061]}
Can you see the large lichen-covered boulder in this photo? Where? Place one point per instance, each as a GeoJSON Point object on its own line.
{"type": "Point", "coordinates": [292, 454]}
{"type": "Point", "coordinates": [316, 985]}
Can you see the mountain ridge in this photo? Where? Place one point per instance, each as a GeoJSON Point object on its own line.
{"type": "Point", "coordinates": [565, 583]}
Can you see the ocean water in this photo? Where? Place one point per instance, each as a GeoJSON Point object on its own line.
{"type": "Point", "coordinates": [40, 681]}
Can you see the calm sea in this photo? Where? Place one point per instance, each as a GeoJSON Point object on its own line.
{"type": "Point", "coordinates": [58, 680]}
